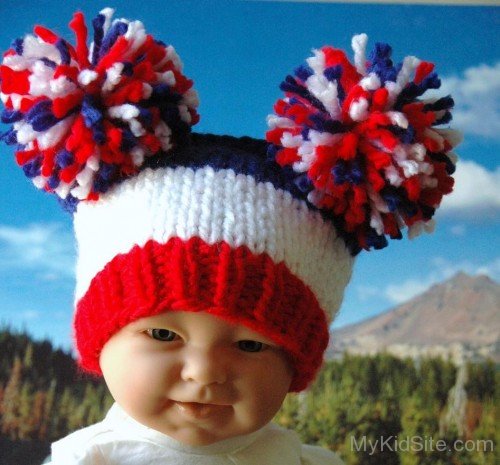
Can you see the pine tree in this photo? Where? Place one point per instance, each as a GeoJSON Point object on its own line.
{"type": "Point", "coordinates": [11, 402]}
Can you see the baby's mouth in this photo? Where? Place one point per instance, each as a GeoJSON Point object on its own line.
{"type": "Point", "coordinates": [200, 411]}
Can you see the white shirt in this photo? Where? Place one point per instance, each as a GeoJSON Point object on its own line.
{"type": "Point", "coordinates": [120, 440]}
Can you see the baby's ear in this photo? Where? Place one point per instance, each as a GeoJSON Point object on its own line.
{"type": "Point", "coordinates": [364, 143]}
{"type": "Point", "coordinates": [84, 118]}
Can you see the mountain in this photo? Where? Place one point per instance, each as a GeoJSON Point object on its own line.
{"type": "Point", "coordinates": [459, 317]}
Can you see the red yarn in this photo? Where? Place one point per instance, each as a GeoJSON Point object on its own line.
{"type": "Point", "coordinates": [233, 284]}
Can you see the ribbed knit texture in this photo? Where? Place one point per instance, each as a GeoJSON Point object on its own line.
{"type": "Point", "coordinates": [233, 284]}
{"type": "Point", "coordinates": [218, 228]}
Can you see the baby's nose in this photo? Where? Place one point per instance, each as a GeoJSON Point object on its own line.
{"type": "Point", "coordinates": [204, 367]}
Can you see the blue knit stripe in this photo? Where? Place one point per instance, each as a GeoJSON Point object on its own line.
{"type": "Point", "coordinates": [242, 155]}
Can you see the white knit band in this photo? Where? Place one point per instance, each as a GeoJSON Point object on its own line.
{"type": "Point", "coordinates": [215, 206]}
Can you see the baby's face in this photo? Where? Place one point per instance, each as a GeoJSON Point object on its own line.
{"type": "Point", "coordinates": [195, 377]}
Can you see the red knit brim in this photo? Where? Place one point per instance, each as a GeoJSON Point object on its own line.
{"type": "Point", "coordinates": [233, 284]}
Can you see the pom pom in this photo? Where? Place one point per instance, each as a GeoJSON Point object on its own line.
{"type": "Point", "coordinates": [85, 117]}
{"type": "Point", "coordinates": [366, 141]}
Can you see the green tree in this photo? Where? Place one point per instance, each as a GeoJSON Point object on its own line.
{"type": "Point", "coordinates": [11, 402]}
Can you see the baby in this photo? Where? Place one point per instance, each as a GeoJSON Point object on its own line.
{"type": "Point", "coordinates": [209, 267]}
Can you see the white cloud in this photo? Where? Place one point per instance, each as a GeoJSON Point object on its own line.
{"type": "Point", "coordinates": [397, 293]}
{"type": "Point", "coordinates": [30, 315]}
{"type": "Point", "coordinates": [46, 249]}
{"type": "Point", "coordinates": [476, 192]}
{"type": "Point", "coordinates": [458, 230]}
{"type": "Point", "coordinates": [443, 269]}
{"type": "Point", "coordinates": [477, 100]}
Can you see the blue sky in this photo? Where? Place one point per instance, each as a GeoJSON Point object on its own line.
{"type": "Point", "coordinates": [238, 52]}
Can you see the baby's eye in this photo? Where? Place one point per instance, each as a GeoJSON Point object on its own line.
{"type": "Point", "coordinates": [251, 346]}
{"type": "Point", "coordinates": [161, 334]}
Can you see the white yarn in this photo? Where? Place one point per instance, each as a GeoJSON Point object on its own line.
{"type": "Point", "coordinates": [326, 92]}
{"type": "Point", "coordinates": [213, 205]}
{"type": "Point", "coordinates": [167, 77]}
{"type": "Point", "coordinates": [191, 98]}
{"type": "Point", "coordinates": [53, 135]}
{"type": "Point", "coordinates": [62, 190]}
{"type": "Point", "coordinates": [113, 77]}
{"type": "Point", "coordinates": [108, 14]}
{"type": "Point", "coordinates": [317, 62]}
{"type": "Point", "coordinates": [164, 134]}
{"type": "Point", "coordinates": [125, 111]}
{"type": "Point", "coordinates": [34, 48]}
{"type": "Point", "coordinates": [358, 44]}
{"type": "Point", "coordinates": [24, 132]}
{"type": "Point", "coordinates": [410, 63]}
{"type": "Point", "coordinates": [370, 82]}
{"type": "Point", "coordinates": [358, 111]}
{"type": "Point", "coordinates": [87, 76]}
{"type": "Point", "coordinates": [290, 141]}
{"type": "Point", "coordinates": [274, 121]}
{"type": "Point", "coordinates": [397, 118]}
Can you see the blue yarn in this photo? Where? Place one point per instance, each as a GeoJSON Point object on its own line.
{"type": "Point", "coordinates": [128, 68]}
{"type": "Point", "coordinates": [443, 158]}
{"type": "Point", "coordinates": [90, 112]}
{"type": "Point", "coordinates": [290, 85]}
{"type": "Point", "coordinates": [32, 168]}
{"type": "Point", "coordinates": [49, 63]}
{"type": "Point", "coordinates": [140, 58]}
{"type": "Point", "coordinates": [305, 133]}
{"type": "Point", "coordinates": [339, 172]}
{"type": "Point", "coordinates": [303, 72]}
{"type": "Point", "coordinates": [333, 72]}
{"type": "Point", "coordinates": [303, 183]}
{"type": "Point", "coordinates": [373, 240]}
{"type": "Point", "coordinates": [392, 200]}
{"type": "Point", "coordinates": [64, 158]}
{"type": "Point", "coordinates": [381, 63]}
{"type": "Point", "coordinates": [93, 119]}
{"type": "Point", "coordinates": [18, 46]}
{"type": "Point", "coordinates": [322, 125]}
{"type": "Point", "coordinates": [356, 175]}
{"type": "Point", "coordinates": [62, 47]}
{"type": "Point", "coordinates": [116, 30]}
{"type": "Point", "coordinates": [170, 114]}
{"type": "Point", "coordinates": [9, 137]}
{"type": "Point", "coordinates": [446, 118]}
{"type": "Point", "coordinates": [431, 81]}
{"type": "Point", "coordinates": [381, 52]}
{"type": "Point", "coordinates": [349, 172]}
{"type": "Point", "coordinates": [100, 185]}
{"type": "Point", "coordinates": [11, 116]}
{"type": "Point", "coordinates": [162, 92]}
{"type": "Point", "coordinates": [40, 116]}
{"type": "Point", "coordinates": [145, 116]}
{"type": "Point", "coordinates": [407, 136]}
{"type": "Point", "coordinates": [53, 181]}
{"type": "Point", "coordinates": [129, 141]}
{"type": "Point", "coordinates": [272, 151]}
{"type": "Point", "coordinates": [427, 211]}
{"type": "Point", "coordinates": [98, 24]}
{"type": "Point", "coordinates": [68, 204]}
{"type": "Point", "coordinates": [444, 103]}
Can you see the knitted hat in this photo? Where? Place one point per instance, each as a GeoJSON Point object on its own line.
{"type": "Point", "coordinates": [259, 233]}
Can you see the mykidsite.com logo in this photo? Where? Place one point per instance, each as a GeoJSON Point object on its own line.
{"type": "Point", "coordinates": [418, 444]}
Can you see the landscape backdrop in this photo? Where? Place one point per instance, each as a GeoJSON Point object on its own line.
{"type": "Point", "coordinates": [378, 382]}
{"type": "Point", "coordinates": [419, 319]}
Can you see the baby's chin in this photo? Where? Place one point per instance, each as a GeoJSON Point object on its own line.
{"type": "Point", "coordinates": [195, 424]}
